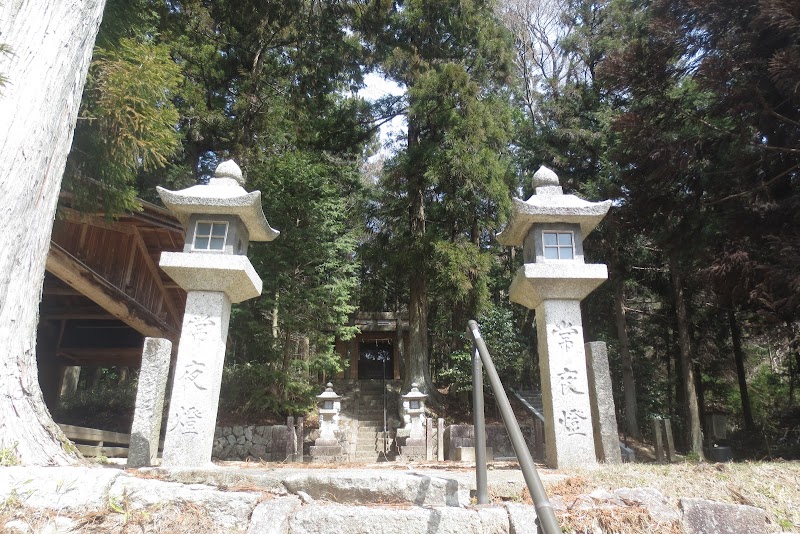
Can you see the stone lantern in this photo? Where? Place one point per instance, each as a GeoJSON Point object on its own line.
{"type": "Point", "coordinates": [551, 226]}
{"type": "Point", "coordinates": [326, 447]}
{"type": "Point", "coordinates": [414, 430]}
{"type": "Point", "coordinates": [220, 218]}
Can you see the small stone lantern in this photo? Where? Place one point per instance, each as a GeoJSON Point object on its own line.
{"type": "Point", "coordinates": [326, 447]}
{"type": "Point", "coordinates": [551, 226]}
{"type": "Point", "coordinates": [220, 218]}
{"type": "Point", "coordinates": [414, 418]}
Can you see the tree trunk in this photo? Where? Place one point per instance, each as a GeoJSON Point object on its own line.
{"type": "Point", "coordinates": [694, 432]}
{"type": "Point", "coordinates": [418, 366]}
{"type": "Point", "coordinates": [738, 354]}
{"type": "Point", "coordinates": [628, 382]}
{"type": "Point", "coordinates": [51, 46]}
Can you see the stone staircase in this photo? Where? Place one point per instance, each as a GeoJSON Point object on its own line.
{"type": "Point", "coordinates": [532, 398]}
{"type": "Point", "coordinates": [372, 445]}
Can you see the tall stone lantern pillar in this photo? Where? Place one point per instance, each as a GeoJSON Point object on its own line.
{"type": "Point", "coordinates": [551, 226]}
{"type": "Point", "coordinates": [220, 218]}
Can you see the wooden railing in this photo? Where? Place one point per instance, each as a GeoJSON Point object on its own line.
{"type": "Point", "coordinates": [94, 442]}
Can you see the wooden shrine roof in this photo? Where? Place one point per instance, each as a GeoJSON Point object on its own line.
{"type": "Point", "coordinates": [103, 286]}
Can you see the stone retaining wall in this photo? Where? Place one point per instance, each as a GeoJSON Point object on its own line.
{"type": "Point", "coordinates": [266, 443]}
{"type": "Point", "coordinates": [496, 437]}
{"type": "Point", "coordinates": [269, 443]}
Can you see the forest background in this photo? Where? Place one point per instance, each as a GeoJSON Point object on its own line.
{"type": "Point", "coordinates": [685, 113]}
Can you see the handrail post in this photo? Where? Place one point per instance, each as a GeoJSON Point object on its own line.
{"type": "Point", "coordinates": [544, 510]}
{"type": "Point", "coordinates": [481, 476]}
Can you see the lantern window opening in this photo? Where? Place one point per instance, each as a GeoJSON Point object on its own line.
{"type": "Point", "coordinates": [210, 235]}
{"type": "Point", "coordinates": [558, 245]}
{"type": "Point", "coordinates": [327, 405]}
{"type": "Point", "coordinates": [413, 405]}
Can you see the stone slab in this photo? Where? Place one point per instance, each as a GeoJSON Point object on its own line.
{"type": "Point", "coordinates": [669, 441]}
{"type": "Point", "coordinates": [601, 400]}
{"type": "Point", "coordinates": [387, 487]}
{"type": "Point", "coordinates": [229, 509]}
{"type": "Point", "coordinates": [192, 418]}
{"type": "Point", "coordinates": [149, 408]}
{"type": "Point", "coordinates": [327, 518]}
{"type": "Point", "coordinates": [569, 439]}
{"type": "Point", "coordinates": [522, 518]}
{"type": "Point", "coordinates": [233, 275]}
{"type": "Point", "coordinates": [661, 510]}
{"type": "Point", "coordinates": [702, 517]}
{"type": "Point", "coordinates": [69, 489]}
{"type": "Point", "coordinates": [273, 515]}
{"type": "Point", "coordinates": [467, 454]}
{"type": "Point", "coordinates": [658, 439]}
{"type": "Point", "coordinates": [535, 283]}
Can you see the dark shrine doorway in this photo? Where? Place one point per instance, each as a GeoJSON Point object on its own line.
{"type": "Point", "coordinates": [375, 359]}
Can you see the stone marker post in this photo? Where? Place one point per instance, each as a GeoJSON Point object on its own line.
{"type": "Point", "coordinates": [669, 442]}
{"type": "Point", "coordinates": [659, 443]}
{"type": "Point", "coordinates": [220, 218]}
{"type": "Point", "coordinates": [551, 226]}
{"type": "Point", "coordinates": [440, 439]}
{"type": "Point", "coordinates": [601, 399]}
{"type": "Point", "coordinates": [146, 428]}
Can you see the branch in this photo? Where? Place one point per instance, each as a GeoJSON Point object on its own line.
{"type": "Point", "coordinates": [762, 186]}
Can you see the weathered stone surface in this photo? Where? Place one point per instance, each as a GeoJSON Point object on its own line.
{"type": "Point", "coordinates": [522, 518]}
{"type": "Point", "coordinates": [661, 510]}
{"type": "Point", "coordinates": [467, 454]}
{"type": "Point", "coordinates": [150, 392]}
{"type": "Point", "coordinates": [364, 487]}
{"type": "Point", "coordinates": [67, 489]}
{"type": "Point", "coordinates": [565, 390]}
{"type": "Point", "coordinates": [551, 208]}
{"type": "Point", "coordinates": [702, 517]}
{"type": "Point", "coordinates": [272, 516]}
{"type": "Point", "coordinates": [494, 519]}
{"type": "Point", "coordinates": [534, 283]}
{"type": "Point", "coordinates": [456, 436]}
{"type": "Point", "coordinates": [268, 481]}
{"type": "Point", "coordinates": [324, 519]}
{"type": "Point", "coordinates": [224, 194]}
{"type": "Point", "coordinates": [198, 373]}
{"type": "Point", "coordinates": [232, 275]}
{"type": "Point", "coordinates": [601, 400]}
{"type": "Point", "coordinates": [229, 509]}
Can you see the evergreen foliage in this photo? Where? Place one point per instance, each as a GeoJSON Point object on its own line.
{"type": "Point", "coordinates": [685, 113]}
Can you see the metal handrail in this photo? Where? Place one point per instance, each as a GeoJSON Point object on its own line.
{"type": "Point", "coordinates": [546, 517]}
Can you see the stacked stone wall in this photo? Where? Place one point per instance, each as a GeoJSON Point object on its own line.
{"type": "Point", "coordinates": [496, 437]}
{"type": "Point", "coordinates": [266, 443]}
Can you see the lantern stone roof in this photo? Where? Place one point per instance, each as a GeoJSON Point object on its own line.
{"type": "Point", "coordinates": [328, 394]}
{"type": "Point", "coordinates": [550, 205]}
{"type": "Point", "coordinates": [224, 195]}
{"type": "Point", "coordinates": [415, 393]}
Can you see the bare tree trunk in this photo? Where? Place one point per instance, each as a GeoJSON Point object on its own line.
{"type": "Point", "coordinates": [417, 369]}
{"type": "Point", "coordinates": [51, 46]}
{"type": "Point", "coordinates": [694, 430]}
{"type": "Point", "coordinates": [628, 382]}
{"type": "Point", "coordinates": [738, 354]}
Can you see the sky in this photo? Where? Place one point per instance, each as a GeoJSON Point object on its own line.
{"type": "Point", "coordinates": [377, 86]}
